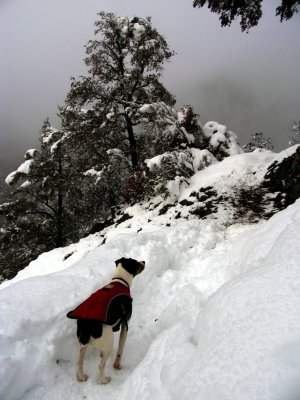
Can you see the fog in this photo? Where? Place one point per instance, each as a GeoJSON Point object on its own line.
{"type": "Point", "coordinates": [249, 82]}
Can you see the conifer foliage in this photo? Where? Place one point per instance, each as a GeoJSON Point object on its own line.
{"type": "Point", "coordinates": [249, 11]}
{"type": "Point", "coordinates": [125, 62]}
{"type": "Point", "coordinates": [35, 218]}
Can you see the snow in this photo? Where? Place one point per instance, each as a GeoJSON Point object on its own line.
{"type": "Point", "coordinates": [189, 137]}
{"type": "Point", "coordinates": [219, 134]}
{"type": "Point", "coordinates": [25, 184]}
{"type": "Point", "coordinates": [181, 116]}
{"type": "Point", "coordinates": [138, 30]}
{"type": "Point", "coordinates": [110, 115]}
{"type": "Point", "coordinates": [212, 127]}
{"type": "Point", "coordinates": [55, 146]}
{"type": "Point", "coordinates": [24, 168]}
{"type": "Point", "coordinates": [10, 178]}
{"type": "Point", "coordinates": [173, 186]}
{"type": "Point", "coordinates": [202, 158]}
{"type": "Point", "coordinates": [250, 167]}
{"type": "Point", "coordinates": [48, 135]}
{"type": "Point", "coordinates": [217, 138]}
{"type": "Point", "coordinates": [154, 162]}
{"type": "Point", "coordinates": [146, 108]}
{"type": "Point", "coordinates": [121, 20]}
{"type": "Point", "coordinates": [150, 44]}
{"type": "Point", "coordinates": [215, 313]}
{"type": "Point", "coordinates": [246, 169]}
{"type": "Point", "coordinates": [95, 173]}
{"type": "Point", "coordinates": [115, 152]}
{"type": "Point", "coordinates": [30, 153]}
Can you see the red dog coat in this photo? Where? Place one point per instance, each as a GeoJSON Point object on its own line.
{"type": "Point", "coordinates": [97, 305]}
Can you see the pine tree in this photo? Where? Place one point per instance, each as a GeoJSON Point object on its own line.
{"type": "Point", "coordinates": [37, 218]}
{"type": "Point", "coordinates": [191, 123]}
{"type": "Point", "coordinates": [39, 179]}
{"type": "Point", "coordinates": [125, 63]}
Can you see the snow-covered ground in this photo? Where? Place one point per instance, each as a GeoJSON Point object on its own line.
{"type": "Point", "coordinates": [215, 313]}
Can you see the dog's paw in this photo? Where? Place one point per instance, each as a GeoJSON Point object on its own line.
{"type": "Point", "coordinates": [105, 380]}
{"type": "Point", "coordinates": [81, 377]}
{"type": "Point", "coordinates": [117, 362]}
{"type": "Point", "coordinates": [117, 365]}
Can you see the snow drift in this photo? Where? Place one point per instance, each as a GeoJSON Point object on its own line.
{"type": "Point", "coordinates": [215, 313]}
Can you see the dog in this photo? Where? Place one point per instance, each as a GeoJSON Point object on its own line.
{"type": "Point", "coordinates": [104, 312]}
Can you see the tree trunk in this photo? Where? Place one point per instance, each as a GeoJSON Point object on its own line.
{"type": "Point", "coordinates": [60, 206]}
{"type": "Point", "coordinates": [132, 143]}
{"type": "Point", "coordinates": [59, 222]}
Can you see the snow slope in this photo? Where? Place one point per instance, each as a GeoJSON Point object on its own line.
{"type": "Point", "coordinates": [215, 313]}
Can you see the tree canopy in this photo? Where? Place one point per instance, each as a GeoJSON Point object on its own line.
{"type": "Point", "coordinates": [125, 63]}
{"type": "Point", "coordinates": [250, 11]}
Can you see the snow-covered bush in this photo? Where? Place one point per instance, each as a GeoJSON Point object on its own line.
{"type": "Point", "coordinates": [173, 168]}
{"type": "Point", "coordinates": [221, 142]}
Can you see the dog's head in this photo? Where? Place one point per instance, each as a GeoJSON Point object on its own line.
{"type": "Point", "coordinates": [132, 266]}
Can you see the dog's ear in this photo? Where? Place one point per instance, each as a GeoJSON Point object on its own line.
{"type": "Point", "coordinates": [121, 260]}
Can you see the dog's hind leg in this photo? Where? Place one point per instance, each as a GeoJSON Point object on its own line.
{"type": "Point", "coordinates": [81, 377]}
{"type": "Point", "coordinates": [122, 340]}
{"type": "Point", "coordinates": [105, 345]}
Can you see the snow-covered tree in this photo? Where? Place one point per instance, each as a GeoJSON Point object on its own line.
{"type": "Point", "coordinates": [190, 121]}
{"type": "Point", "coordinates": [125, 62]}
{"type": "Point", "coordinates": [53, 202]}
{"type": "Point", "coordinates": [258, 141]}
{"type": "Point", "coordinates": [40, 181]}
{"type": "Point", "coordinates": [32, 219]}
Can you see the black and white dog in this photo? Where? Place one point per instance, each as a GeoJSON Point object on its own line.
{"type": "Point", "coordinates": [103, 313]}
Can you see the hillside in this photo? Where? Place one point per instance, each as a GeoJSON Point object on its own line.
{"type": "Point", "coordinates": [215, 313]}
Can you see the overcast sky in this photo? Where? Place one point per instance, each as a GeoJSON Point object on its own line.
{"type": "Point", "coordinates": [249, 82]}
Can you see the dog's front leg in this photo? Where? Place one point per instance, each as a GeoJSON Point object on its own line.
{"type": "Point", "coordinates": [104, 379]}
{"type": "Point", "coordinates": [122, 340]}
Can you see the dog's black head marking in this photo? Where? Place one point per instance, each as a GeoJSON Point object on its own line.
{"type": "Point", "coordinates": [132, 266]}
